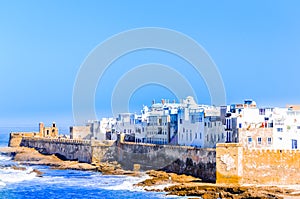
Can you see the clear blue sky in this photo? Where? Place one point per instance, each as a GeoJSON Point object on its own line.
{"type": "Point", "coordinates": [255, 44]}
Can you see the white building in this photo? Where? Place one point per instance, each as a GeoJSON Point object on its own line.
{"type": "Point", "coordinates": [159, 124]}
{"type": "Point", "coordinates": [276, 128]}
{"type": "Point", "coordinates": [199, 125]}
{"type": "Point", "coordinates": [125, 123]}
{"type": "Point", "coordinates": [185, 123]}
{"type": "Point", "coordinates": [99, 129]}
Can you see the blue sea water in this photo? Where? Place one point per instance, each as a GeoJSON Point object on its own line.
{"type": "Point", "coordinates": [63, 183]}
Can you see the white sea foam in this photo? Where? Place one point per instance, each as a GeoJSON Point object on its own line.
{"type": "Point", "coordinates": [127, 183]}
{"type": "Point", "coordinates": [4, 158]}
{"type": "Point", "coordinates": [9, 175]}
{"type": "Point", "coordinates": [2, 184]}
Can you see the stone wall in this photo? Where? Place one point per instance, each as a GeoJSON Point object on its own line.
{"type": "Point", "coordinates": [271, 166]}
{"type": "Point", "coordinates": [239, 165]}
{"type": "Point", "coordinates": [16, 138]}
{"type": "Point", "coordinates": [177, 159]}
{"type": "Point", "coordinates": [229, 163]}
{"type": "Point", "coordinates": [182, 160]}
{"type": "Point", "coordinates": [64, 148]}
{"type": "Point", "coordinates": [229, 157]}
{"type": "Point", "coordinates": [103, 150]}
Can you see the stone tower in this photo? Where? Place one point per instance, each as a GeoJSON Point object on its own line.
{"type": "Point", "coordinates": [41, 129]}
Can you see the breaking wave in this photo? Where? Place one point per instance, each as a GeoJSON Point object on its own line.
{"type": "Point", "coordinates": [9, 175]}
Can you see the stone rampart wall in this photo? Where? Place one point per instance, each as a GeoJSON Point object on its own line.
{"type": "Point", "coordinates": [177, 159]}
{"type": "Point", "coordinates": [66, 149]}
{"type": "Point", "coordinates": [182, 160]}
{"type": "Point", "coordinates": [239, 165]}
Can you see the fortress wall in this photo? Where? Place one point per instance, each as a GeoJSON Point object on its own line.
{"type": "Point", "coordinates": [182, 160]}
{"type": "Point", "coordinates": [103, 151]}
{"type": "Point", "coordinates": [271, 166]}
{"type": "Point", "coordinates": [16, 138]}
{"type": "Point", "coordinates": [177, 159]}
{"type": "Point", "coordinates": [64, 148]}
{"type": "Point", "coordinates": [230, 163]}
{"type": "Point", "coordinates": [239, 165]}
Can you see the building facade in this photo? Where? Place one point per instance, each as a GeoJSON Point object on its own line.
{"type": "Point", "coordinates": [253, 127]}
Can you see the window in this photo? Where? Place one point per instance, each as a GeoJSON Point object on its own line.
{"type": "Point", "coordinates": [270, 125]}
{"type": "Point", "coordinates": [200, 135]}
{"type": "Point", "coordinates": [195, 135]}
{"type": "Point", "coordinates": [279, 129]}
{"type": "Point", "coordinates": [191, 138]}
{"type": "Point", "coordinates": [262, 111]}
{"type": "Point", "coordinates": [269, 140]}
{"type": "Point", "coordinates": [294, 144]}
{"type": "Point", "coordinates": [183, 130]}
{"type": "Point", "coordinates": [259, 140]}
{"type": "Point", "coordinates": [249, 140]}
{"type": "Point", "coordinates": [180, 121]}
{"type": "Point", "coordinates": [228, 124]}
{"type": "Point", "coordinates": [228, 136]}
{"type": "Point", "coordinates": [204, 123]}
{"type": "Point", "coordinates": [200, 119]}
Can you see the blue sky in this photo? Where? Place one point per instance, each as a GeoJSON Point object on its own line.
{"type": "Point", "coordinates": [255, 45]}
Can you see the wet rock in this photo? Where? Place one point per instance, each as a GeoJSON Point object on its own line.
{"type": "Point", "coordinates": [37, 172]}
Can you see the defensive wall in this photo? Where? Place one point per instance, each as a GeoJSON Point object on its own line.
{"type": "Point", "coordinates": [238, 165]}
{"type": "Point", "coordinates": [183, 160]}
{"type": "Point", "coordinates": [177, 159]}
{"type": "Point", "coordinates": [229, 163]}
{"type": "Point", "coordinates": [16, 138]}
{"type": "Point", "coordinates": [65, 149]}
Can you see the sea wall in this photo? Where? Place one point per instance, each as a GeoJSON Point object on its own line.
{"type": "Point", "coordinates": [65, 149]}
{"type": "Point", "coordinates": [230, 163]}
{"type": "Point", "coordinates": [239, 165]}
{"type": "Point", "coordinates": [177, 159]}
{"type": "Point", "coordinates": [15, 139]}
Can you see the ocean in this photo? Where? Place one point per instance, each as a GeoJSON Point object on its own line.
{"type": "Point", "coordinates": [63, 183]}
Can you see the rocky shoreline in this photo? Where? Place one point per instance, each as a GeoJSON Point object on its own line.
{"type": "Point", "coordinates": [30, 156]}
{"type": "Point", "coordinates": [173, 184]}
{"type": "Point", "coordinates": [182, 185]}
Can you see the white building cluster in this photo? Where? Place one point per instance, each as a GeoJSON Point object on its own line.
{"type": "Point", "coordinates": [253, 127]}
{"type": "Point", "coordinates": [190, 124]}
